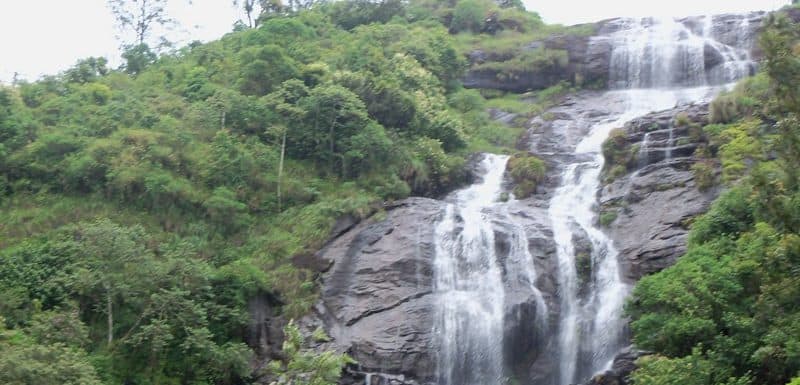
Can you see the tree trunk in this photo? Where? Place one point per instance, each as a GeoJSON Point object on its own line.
{"type": "Point", "coordinates": [110, 311]}
{"type": "Point", "coordinates": [331, 134]}
{"type": "Point", "coordinates": [280, 169]}
{"type": "Point", "coordinates": [142, 29]}
{"type": "Point", "coordinates": [248, 9]}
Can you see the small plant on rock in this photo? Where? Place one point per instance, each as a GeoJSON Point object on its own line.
{"type": "Point", "coordinates": [527, 171]}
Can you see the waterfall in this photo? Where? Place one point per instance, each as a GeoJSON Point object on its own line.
{"type": "Point", "coordinates": [656, 64]}
{"type": "Point", "coordinates": [470, 282]}
{"type": "Point", "coordinates": [591, 328]}
{"type": "Point", "coordinates": [670, 143]}
{"type": "Point", "coordinates": [470, 285]}
{"type": "Point", "coordinates": [666, 53]}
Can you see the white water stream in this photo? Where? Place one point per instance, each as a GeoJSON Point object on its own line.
{"type": "Point", "coordinates": [469, 321]}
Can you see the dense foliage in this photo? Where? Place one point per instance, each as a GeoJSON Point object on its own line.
{"type": "Point", "coordinates": [729, 311]}
{"type": "Point", "coordinates": [143, 207]}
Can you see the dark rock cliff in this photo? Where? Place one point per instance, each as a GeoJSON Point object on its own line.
{"type": "Point", "coordinates": [377, 298]}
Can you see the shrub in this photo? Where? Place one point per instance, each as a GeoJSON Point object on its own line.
{"type": "Point", "coordinates": [703, 172]}
{"type": "Point", "coordinates": [730, 215]}
{"type": "Point", "coordinates": [724, 109]}
{"type": "Point", "coordinates": [682, 119]}
{"type": "Point", "coordinates": [618, 155]}
{"type": "Point", "coordinates": [527, 171]}
{"type": "Point", "coordinates": [607, 218]}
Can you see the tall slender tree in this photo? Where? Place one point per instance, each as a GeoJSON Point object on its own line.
{"type": "Point", "coordinates": [251, 8]}
{"type": "Point", "coordinates": [140, 17]}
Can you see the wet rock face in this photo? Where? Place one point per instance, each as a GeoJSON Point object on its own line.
{"type": "Point", "coordinates": [657, 199]}
{"type": "Point", "coordinates": [619, 374]}
{"type": "Point", "coordinates": [376, 300]}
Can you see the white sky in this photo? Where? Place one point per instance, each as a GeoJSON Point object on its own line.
{"type": "Point", "coordinates": [47, 36]}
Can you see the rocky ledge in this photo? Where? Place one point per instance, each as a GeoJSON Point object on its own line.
{"type": "Point", "coordinates": [655, 201]}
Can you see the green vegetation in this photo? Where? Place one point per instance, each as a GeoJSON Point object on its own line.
{"type": "Point", "coordinates": [703, 172]}
{"type": "Point", "coordinates": [618, 155]}
{"type": "Point", "coordinates": [509, 38]}
{"type": "Point", "coordinates": [529, 104]}
{"type": "Point", "coordinates": [608, 217]}
{"type": "Point", "coordinates": [311, 367]}
{"type": "Point", "coordinates": [143, 207]}
{"type": "Point", "coordinates": [728, 311]}
{"type": "Point", "coordinates": [527, 171]}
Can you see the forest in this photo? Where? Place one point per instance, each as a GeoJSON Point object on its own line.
{"type": "Point", "coordinates": [144, 206]}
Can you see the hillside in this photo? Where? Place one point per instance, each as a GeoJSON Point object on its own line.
{"type": "Point", "coordinates": [145, 209]}
{"type": "Point", "coordinates": [270, 207]}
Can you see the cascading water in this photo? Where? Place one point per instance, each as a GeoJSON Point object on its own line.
{"type": "Point", "coordinates": [591, 327]}
{"type": "Point", "coordinates": [655, 65]}
{"type": "Point", "coordinates": [468, 278]}
{"type": "Point", "coordinates": [469, 281]}
{"type": "Point", "coordinates": [665, 53]}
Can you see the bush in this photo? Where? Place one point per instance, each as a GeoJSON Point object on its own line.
{"type": "Point", "coordinates": [682, 119]}
{"type": "Point", "coordinates": [527, 171]}
{"type": "Point", "coordinates": [608, 217]}
{"type": "Point", "coordinates": [724, 109]}
{"type": "Point", "coordinates": [469, 15]}
{"type": "Point", "coordinates": [659, 370]}
{"type": "Point", "coordinates": [730, 215]}
{"type": "Point", "coordinates": [703, 172]}
{"type": "Point", "coordinates": [225, 211]}
{"type": "Point", "coordinates": [618, 155]}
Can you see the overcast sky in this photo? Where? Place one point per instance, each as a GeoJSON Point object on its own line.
{"type": "Point", "coordinates": [48, 36]}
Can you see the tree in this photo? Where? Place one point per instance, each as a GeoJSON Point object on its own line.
{"type": "Point", "coordinates": [140, 17]}
{"type": "Point", "coordinates": [335, 114]}
{"type": "Point", "coordinates": [115, 262]}
{"type": "Point", "coordinates": [469, 15]}
{"type": "Point", "coordinates": [87, 70]}
{"type": "Point", "coordinates": [284, 102]}
{"type": "Point", "coordinates": [137, 58]}
{"type": "Point", "coordinates": [264, 68]}
{"type": "Point", "coordinates": [56, 364]}
{"type": "Point", "coordinates": [249, 7]}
